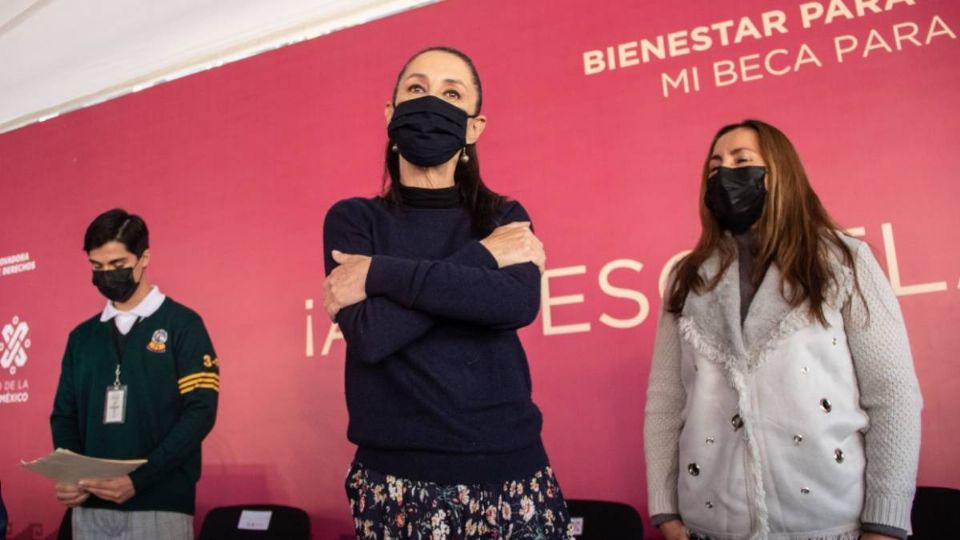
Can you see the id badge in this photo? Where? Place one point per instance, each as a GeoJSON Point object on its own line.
{"type": "Point", "coordinates": [115, 406]}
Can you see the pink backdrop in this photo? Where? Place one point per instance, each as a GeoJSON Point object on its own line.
{"type": "Point", "coordinates": [234, 168]}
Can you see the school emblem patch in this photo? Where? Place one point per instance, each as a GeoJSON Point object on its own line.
{"type": "Point", "coordinates": [158, 343]}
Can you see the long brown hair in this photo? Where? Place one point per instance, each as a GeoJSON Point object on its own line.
{"type": "Point", "coordinates": [482, 202]}
{"type": "Point", "coordinates": [794, 232]}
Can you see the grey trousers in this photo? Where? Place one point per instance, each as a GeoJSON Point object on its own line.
{"type": "Point", "coordinates": [99, 524]}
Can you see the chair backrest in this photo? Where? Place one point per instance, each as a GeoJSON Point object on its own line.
{"type": "Point", "coordinates": [255, 522]}
{"type": "Point", "coordinates": [936, 513]}
{"type": "Point", "coordinates": [3, 514]}
{"type": "Point", "coordinates": [65, 532]}
{"type": "Point", "coordinates": [604, 520]}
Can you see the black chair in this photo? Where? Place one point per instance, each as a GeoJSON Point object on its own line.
{"type": "Point", "coordinates": [286, 523]}
{"type": "Point", "coordinates": [604, 520]}
{"type": "Point", "coordinates": [936, 513]}
{"type": "Point", "coordinates": [3, 514]}
{"type": "Point", "coordinates": [65, 532]}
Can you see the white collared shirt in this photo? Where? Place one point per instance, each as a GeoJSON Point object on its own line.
{"type": "Point", "coordinates": [126, 319]}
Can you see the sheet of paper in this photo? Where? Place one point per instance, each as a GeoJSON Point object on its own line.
{"type": "Point", "coordinates": [255, 520]}
{"type": "Point", "coordinates": [69, 467]}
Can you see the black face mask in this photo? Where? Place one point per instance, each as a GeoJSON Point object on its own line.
{"type": "Point", "coordinates": [428, 131]}
{"type": "Point", "coordinates": [117, 285]}
{"type": "Point", "coordinates": [736, 196]}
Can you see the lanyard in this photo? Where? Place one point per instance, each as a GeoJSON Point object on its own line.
{"type": "Point", "coordinates": [119, 342]}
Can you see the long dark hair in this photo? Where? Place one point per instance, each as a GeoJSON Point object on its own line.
{"type": "Point", "coordinates": [793, 232]}
{"type": "Point", "coordinates": [482, 202]}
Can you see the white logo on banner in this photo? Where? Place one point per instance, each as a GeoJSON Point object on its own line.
{"type": "Point", "coordinates": [15, 345]}
{"type": "Point", "coordinates": [15, 264]}
{"type": "Point", "coordinates": [14, 342]}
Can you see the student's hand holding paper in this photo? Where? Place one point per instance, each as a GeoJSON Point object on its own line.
{"type": "Point", "coordinates": [71, 495]}
{"type": "Point", "coordinates": [118, 490]}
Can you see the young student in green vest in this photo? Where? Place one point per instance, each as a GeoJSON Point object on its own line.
{"type": "Point", "coordinates": [139, 380]}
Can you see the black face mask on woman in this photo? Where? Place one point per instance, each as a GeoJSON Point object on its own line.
{"type": "Point", "coordinates": [428, 131]}
{"type": "Point", "coordinates": [736, 196]}
{"type": "Point", "coordinates": [117, 285]}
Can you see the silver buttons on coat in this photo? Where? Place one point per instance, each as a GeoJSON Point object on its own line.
{"type": "Point", "coordinates": [805, 490]}
{"type": "Point", "coordinates": [693, 469]}
{"type": "Point", "coordinates": [797, 439]}
{"type": "Point", "coordinates": [825, 405]}
{"type": "Point", "coordinates": [710, 440]}
{"type": "Point", "coordinates": [709, 505]}
{"type": "Point", "coordinates": [736, 422]}
{"type": "Point", "coordinates": [838, 455]}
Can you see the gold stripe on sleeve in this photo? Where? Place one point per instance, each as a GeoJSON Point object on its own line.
{"type": "Point", "coordinates": [190, 388]}
{"type": "Point", "coordinates": [197, 376]}
{"type": "Point", "coordinates": [199, 381]}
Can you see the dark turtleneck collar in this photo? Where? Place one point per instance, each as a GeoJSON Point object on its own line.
{"type": "Point", "coordinates": [414, 197]}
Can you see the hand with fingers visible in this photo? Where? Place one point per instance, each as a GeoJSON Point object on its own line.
{"type": "Point", "coordinates": [674, 530]}
{"type": "Point", "coordinates": [346, 284]}
{"type": "Point", "coordinates": [71, 495]}
{"type": "Point", "coordinates": [515, 243]}
{"type": "Point", "coordinates": [119, 489]}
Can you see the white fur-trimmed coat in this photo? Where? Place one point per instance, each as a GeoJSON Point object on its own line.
{"type": "Point", "coordinates": [782, 428]}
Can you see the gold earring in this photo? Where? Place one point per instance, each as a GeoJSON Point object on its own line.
{"type": "Point", "coordinates": [464, 158]}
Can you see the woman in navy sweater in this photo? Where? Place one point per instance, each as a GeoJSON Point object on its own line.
{"type": "Point", "coordinates": [429, 283]}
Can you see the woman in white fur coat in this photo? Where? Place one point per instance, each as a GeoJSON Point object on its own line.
{"type": "Point", "coordinates": [782, 402]}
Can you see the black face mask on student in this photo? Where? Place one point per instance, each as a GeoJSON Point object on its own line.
{"type": "Point", "coordinates": [428, 131]}
{"type": "Point", "coordinates": [736, 196]}
{"type": "Point", "coordinates": [117, 285]}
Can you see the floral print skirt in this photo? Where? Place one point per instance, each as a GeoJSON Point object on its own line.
{"type": "Point", "coordinates": [387, 507]}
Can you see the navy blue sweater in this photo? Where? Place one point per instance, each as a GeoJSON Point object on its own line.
{"type": "Point", "coordinates": [437, 382]}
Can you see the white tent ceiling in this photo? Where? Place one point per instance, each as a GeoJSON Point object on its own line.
{"type": "Point", "coordinates": [60, 55]}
